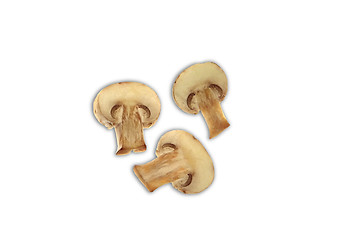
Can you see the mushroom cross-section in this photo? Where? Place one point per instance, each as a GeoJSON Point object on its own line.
{"type": "Point", "coordinates": [201, 87]}
{"type": "Point", "coordinates": [128, 107]}
{"type": "Point", "coordinates": [181, 160]}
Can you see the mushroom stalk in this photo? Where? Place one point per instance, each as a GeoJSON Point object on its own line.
{"type": "Point", "coordinates": [164, 169]}
{"type": "Point", "coordinates": [129, 132]}
{"type": "Point", "coordinates": [211, 110]}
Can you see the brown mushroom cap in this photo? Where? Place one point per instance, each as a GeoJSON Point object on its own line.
{"type": "Point", "coordinates": [196, 78]}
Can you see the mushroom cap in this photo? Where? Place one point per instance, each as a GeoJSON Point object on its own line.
{"type": "Point", "coordinates": [194, 154]}
{"type": "Point", "coordinates": [128, 94]}
{"type": "Point", "coordinates": [197, 77]}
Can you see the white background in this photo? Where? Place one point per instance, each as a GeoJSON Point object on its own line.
{"type": "Point", "coordinates": [276, 167]}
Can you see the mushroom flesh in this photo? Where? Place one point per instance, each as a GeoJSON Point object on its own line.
{"type": "Point", "coordinates": [181, 160]}
{"type": "Point", "coordinates": [201, 87]}
{"type": "Point", "coordinates": [128, 107]}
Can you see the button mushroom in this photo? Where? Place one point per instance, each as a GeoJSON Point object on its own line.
{"type": "Point", "coordinates": [128, 107]}
{"type": "Point", "coordinates": [202, 87]}
{"type": "Point", "coordinates": [181, 160]}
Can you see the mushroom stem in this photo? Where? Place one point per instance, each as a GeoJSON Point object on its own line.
{"type": "Point", "coordinates": [209, 105]}
{"type": "Point", "coordinates": [130, 132]}
{"type": "Point", "coordinates": [164, 169]}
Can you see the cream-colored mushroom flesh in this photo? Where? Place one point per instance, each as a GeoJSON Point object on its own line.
{"type": "Point", "coordinates": [181, 160]}
{"type": "Point", "coordinates": [128, 107]}
{"type": "Point", "coordinates": [202, 87]}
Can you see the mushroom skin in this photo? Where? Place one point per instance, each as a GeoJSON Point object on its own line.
{"type": "Point", "coordinates": [129, 107]}
{"type": "Point", "coordinates": [201, 87]}
{"type": "Point", "coordinates": [181, 160]}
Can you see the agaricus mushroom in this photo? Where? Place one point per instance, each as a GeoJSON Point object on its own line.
{"type": "Point", "coordinates": [202, 87]}
{"type": "Point", "coordinates": [181, 160]}
{"type": "Point", "coordinates": [128, 107]}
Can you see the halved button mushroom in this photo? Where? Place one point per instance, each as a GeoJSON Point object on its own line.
{"type": "Point", "coordinates": [181, 160]}
{"type": "Point", "coordinates": [202, 87]}
{"type": "Point", "coordinates": [128, 107]}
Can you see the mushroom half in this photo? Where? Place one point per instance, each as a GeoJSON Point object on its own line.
{"type": "Point", "coordinates": [128, 107]}
{"type": "Point", "coordinates": [181, 160]}
{"type": "Point", "coordinates": [202, 87]}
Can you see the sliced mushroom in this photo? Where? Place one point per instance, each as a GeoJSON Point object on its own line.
{"type": "Point", "coordinates": [202, 87]}
{"type": "Point", "coordinates": [128, 107]}
{"type": "Point", "coordinates": [181, 160]}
